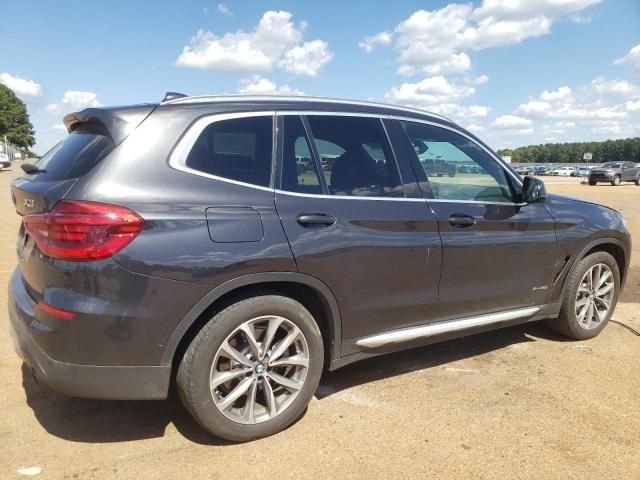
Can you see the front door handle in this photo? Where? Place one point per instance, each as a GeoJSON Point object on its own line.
{"type": "Point", "coordinates": [316, 219]}
{"type": "Point", "coordinates": [461, 220]}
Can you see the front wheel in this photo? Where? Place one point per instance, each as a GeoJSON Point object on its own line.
{"type": "Point", "coordinates": [637, 181]}
{"type": "Point", "coordinates": [615, 181]}
{"type": "Point", "coordinates": [253, 368]}
{"type": "Point", "coordinates": [590, 297]}
{"type": "Point", "coordinates": [592, 182]}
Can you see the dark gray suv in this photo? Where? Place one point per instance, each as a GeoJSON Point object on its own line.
{"type": "Point", "coordinates": [240, 244]}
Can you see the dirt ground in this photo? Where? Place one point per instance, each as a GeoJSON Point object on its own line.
{"type": "Point", "coordinates": [515, 403]}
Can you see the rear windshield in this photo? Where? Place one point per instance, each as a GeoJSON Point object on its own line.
{"type": "Point", "coordinates": [74, 156]}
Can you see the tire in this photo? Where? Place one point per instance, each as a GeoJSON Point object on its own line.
{"type": "Point", "coordinates": [637, 181]}
{"type": "Point", "coordinates": [592, 182]}
{"type": "Point", "coordinates": [615, 181]}
{"type": "Point", "coordinates": [206, 356]}
{"type": "Point", "coordinates": [568, 322]}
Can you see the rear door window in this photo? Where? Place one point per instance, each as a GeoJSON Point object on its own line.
{"type": "Point", "coordinates": [238, 149]}
{"type": "Point", "coordinates": [355, 156]}
{"type": "Point", "coordinates": [74, 156]}
{"type": "Point", "coordinates": [299, 170]}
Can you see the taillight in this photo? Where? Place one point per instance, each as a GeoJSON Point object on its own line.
{"type": "Point", "coordinates": [83, 231]}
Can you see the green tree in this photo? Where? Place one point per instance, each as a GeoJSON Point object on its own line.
{"type": "Point", "coordinates": [14, 119]}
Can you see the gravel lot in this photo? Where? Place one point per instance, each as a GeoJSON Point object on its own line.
{"type": "Point", "coordinates": [515, 403]}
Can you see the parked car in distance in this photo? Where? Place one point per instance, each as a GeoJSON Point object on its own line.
{"type": "Point", "coordinates": [524, 170]}
{"type": "Point", "coordinates": [230, 270]}
{"type": "Point", "coordinates": [563, 171]}
{"type": "Point", "coordinates": [4, 160]}
{"type": "Point", "coordinates": [581, 172]}
{"type": "Point", "coordinates": [615, 173]}
{"type": "Point", "coordinates": [539, 170]}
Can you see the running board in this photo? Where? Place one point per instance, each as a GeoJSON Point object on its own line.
{"type": "Point", "coordinates": [423, 331]}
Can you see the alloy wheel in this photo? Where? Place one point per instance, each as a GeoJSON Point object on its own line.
{"type": "Point", "coordinates": [595, 296]}
{"type": "Point", "coordinates": [259, 369]}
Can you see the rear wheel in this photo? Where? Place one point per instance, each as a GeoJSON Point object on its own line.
{"type": "Point", "coordinates": [615, 181]}
{"type": "Point", "coordinates": [637, 181]}
{"type": "Point", "coordinates": [592, 182]}
{"type": "Point", "coordinates": [590, 297]}
{"type": "Point", "coordinates": [253, 368]}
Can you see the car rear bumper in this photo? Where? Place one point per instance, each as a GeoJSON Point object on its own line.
{"type": "Point", "coordinates": [88, 381]}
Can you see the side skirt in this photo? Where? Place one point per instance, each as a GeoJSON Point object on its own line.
{"type": "Point", "coordinates": [421, 335]}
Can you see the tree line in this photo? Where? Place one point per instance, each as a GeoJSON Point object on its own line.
{"type": "Point", "coordinates": [14, 120]}
{"type": "Point", "coordinates": [608, 151]}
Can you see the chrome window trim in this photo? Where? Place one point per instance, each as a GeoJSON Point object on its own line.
{"type": "Point", "coordinates": [177, 159]}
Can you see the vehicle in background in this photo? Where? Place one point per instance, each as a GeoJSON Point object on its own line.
{"type": "Point", "coordinates": [563, 171]}
{"type": "Point", "coordinates": [581, 172]}
{"type": "Point", "coordinates": [539, 170]}
{"type": "Point", "coordinates": [521, 170]}
{"type": "Point", "coordinates": [438, 167]}
{"type": "Point", "coordinates": [615, 173]}
{"type": "Point", "coordinates": [4, 160]}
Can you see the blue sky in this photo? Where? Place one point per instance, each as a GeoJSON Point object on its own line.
{"type": "Point", "coordinates": [514, 71]}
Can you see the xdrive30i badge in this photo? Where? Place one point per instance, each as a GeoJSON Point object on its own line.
{"type": "Point", "coordinates": [29, 202]}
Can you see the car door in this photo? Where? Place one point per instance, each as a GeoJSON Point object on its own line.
{"type": "Point", "coordinates": [351, 224]}
{"type": "Point", "coordinates": [497, 254]}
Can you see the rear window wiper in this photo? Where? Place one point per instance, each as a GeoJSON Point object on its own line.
{"type": "Point", "coordinates": [30, 168]}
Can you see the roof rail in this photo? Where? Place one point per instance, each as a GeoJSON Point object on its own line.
{"type": "Point", "coordinates": [249, 98]}
{"type": "Point", "coordinates": [173, 96]}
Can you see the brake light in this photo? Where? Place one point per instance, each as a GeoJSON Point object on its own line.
{"type": "Point", "coordinates": [55, 312]}
{"type": "Point", "coordinates": [83, 231]}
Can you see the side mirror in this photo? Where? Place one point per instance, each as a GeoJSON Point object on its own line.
{"type": "Point", "coordinates": [533, 190]}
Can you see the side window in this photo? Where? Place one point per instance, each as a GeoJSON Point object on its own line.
{"type": "Point", "coordinates": [237, 149]}
{"type": "Point", "coordinates": [299, 172]}
{"type": "Point", "coordinates": [355, 156]}
{"type": "Point", "coordinates": [457, 168]}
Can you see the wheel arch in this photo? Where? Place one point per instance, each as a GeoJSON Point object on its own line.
{"type": "Point", "coordinates": [611, 245]}
{"type": "Point", "coordinates": [308, 290]}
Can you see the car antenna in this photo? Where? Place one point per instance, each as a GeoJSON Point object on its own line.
{"type": "Point", "coordinates": [172, 96]}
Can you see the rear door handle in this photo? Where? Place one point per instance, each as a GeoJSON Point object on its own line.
{"type": "Point", "coordinates": [461, 220]}
{"type": "Point", "coordinates": [318, 219]}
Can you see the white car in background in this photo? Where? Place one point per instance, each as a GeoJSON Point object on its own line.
{"type": "Point", "coordinates": [563, 171]}
{"type": "Point", "coordinates": [4, 160]}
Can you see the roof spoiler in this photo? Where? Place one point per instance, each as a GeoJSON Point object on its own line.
{"type": "Point", "coordinates": [117, 123]}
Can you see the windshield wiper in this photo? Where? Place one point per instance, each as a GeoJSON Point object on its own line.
{"type": "Point", "coordinates": [30, 168]}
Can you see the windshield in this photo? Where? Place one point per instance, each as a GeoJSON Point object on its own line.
{"type": "Point", "coordinates": [610, 165]}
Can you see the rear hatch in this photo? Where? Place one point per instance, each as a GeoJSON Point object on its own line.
{"type": "Point", "coordinates": [94, 133]}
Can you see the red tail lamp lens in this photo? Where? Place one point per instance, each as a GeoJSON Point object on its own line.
{"type": "Point", "coordinates": [83, 231]}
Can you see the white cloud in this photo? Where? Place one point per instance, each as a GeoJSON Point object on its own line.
{"type": "Point", "coordinates": [631, 58]}
{"type": "Point", "coordinates": [633, 106]}
{"type": "Point", "coordinates": [222, 8]}
{"type": "Point", "coordinates": [22, 87]}
{"type": "Point", "coordinates": [511, 122]}
{"type": "Point", "coordinates": [562, 93]}
{"type": "Point", "coordinates": [618, 87]}
{"type": "Point", "coordinates": [307, 59]}
{"type": "Point", "coordinates": [275, 42]}
{"type": "Point", "coordinates": [521, 9]}
{"type": "Point", "coordinates": [382, 38]}
{"type": "Point", "coordinates": [59, 127]}
{"type": "Point", "coordinates": [73, 101]}
{"type": "Point", "coordinates": [438, 95]}
{"type": "Point", "coordinates": [429, 92]}
{"type": "Point", "coordinates": [438, 42]}
{"type": "Point", "coordinates": [258, 85]}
